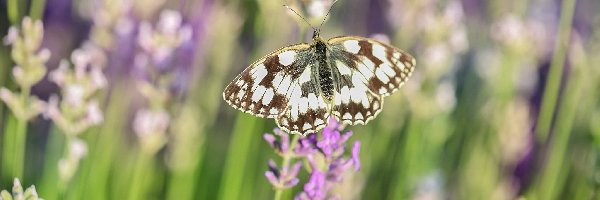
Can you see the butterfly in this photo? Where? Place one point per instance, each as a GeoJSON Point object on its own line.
{"type": "Point", "coordinates": [302, 85]}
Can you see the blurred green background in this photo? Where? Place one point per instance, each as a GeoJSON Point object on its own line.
{"type": "Point", "coordinates": [503, 103]}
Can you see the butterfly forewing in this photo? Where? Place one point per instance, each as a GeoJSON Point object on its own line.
{"type": "Point", "coordinates": [368, 71]}
{"type": "Point", "coordinates": [282, 85]}
{"type": "Point", "coordinates": [263, 87]}
{"type": "Point", "coordinates": [384, 67]}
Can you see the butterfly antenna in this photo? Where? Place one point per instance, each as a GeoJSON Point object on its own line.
{"type": "Point", "coordinates": [300, 16]}
{"type": "Point", "coordinates": [326, 15]}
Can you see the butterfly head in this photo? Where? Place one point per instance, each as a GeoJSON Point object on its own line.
{"type": "Point", "coordinates": [316, 35]}
{"type": "Point", "coordinates": [317, 40]}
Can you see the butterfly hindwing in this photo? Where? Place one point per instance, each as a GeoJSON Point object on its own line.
{"type": "Point", "coordinates": [307, 110]}
{"type": "Point", "coordinates": [353, 102]}
{"type": "Point", "coordinates": [384, 67]}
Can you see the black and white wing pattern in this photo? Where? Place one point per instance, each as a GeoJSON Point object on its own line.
{"type": "Point", "coordinates": [368, 71]}
{"type": "Point", "coordinates": [281, 85]}
{"type": "Point", "coordinates": [307, 110]}
{"type": "Point", "coordinates": [302, 85]}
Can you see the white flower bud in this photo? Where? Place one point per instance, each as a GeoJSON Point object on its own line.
{"type": "Point", "coordinates": [74, 94]}
{"type": "Point", "coordinates": [18, 73]}
{"type": "Point", "coordinates": [98, 78]}
{"type": "Point", "coordinates": [147, 122]}
{"type": "Point", "coordinates": [12, 36]}
{"type": "Point", "coordinates": [169, 22]}
{"type": "Point", "coordinates": [78, 149]}
{"type": "Point", "coordinates": [94, 114]}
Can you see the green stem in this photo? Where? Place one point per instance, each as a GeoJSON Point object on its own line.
{"type": "Point", "coordinates": [8, 149]}
{"type": "Point", "coordinates": [139, 180]}
{"type": "Point", "coordinates": [36, 11]}
{"type": "Point", "coordinates": [96, 169]}
{"type": "Point", "coordinates": [285, 163]}
{"type": "Point", "coordinates": [506, 89]}
{"type": "Point", "coordinates": [186, 156]}
{"type": "Point", "coordinates": [20, 138]}
{"type": "Point", "coordinates": [4, 63]}
{"type": "Point", "coordinates": [13, 11]}
{"type": "Point", "coordinates": [56, 143]}
{"type": "Point", "coordinates": [181, 184]}
{"type": "Point", "coordinates": [4, 66]}
{"type": "Point", "coordinates": [551, 90]}
{"type": "Point", "coordinates": [62, 183]}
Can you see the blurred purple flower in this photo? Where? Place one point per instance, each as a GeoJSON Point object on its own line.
{"type": "Point", "coordinates": [79, 83]}
{"type": "Point", "coordinates": [325, 156]}
{"type": "Point", "coordinates": [315, 188]}
{"type": "Point", "coordinates": [332, 142]}
{"type": "Point", "coordinates": [306, 146]}
{"type": "Point", "coordinates": [151, 127]}
{"type": "Point", "coordinates": [337, 165]}
{"type": "Point", "coordinates": [281, 146]}
{"type": "Point", "coordinates": [170, 33]}
{"type": "Point", "coordinates": [284, 178]}
{"type": "Point", "coordinates": [355, 158]}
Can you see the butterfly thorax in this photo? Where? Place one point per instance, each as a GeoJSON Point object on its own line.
{"type": "Point", "coordinates": [323, 70]}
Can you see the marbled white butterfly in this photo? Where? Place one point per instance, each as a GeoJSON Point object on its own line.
{"type": "Point", "coordinates": [302, 85]}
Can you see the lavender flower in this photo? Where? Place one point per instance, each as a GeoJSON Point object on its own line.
{"type": "Point", "coordinates": [67, 166]}
{"type": "Point", "coordinates": [285, 177]}
{"type": "Point", "coordinates": [18, 193]}
{"type": "Point", "coordinates": [326, 157]}
{"type": "Point", "coordinates": [79, 109]}
{"type": "Point", "coordinates": [110, 20]}
{"type": "Point", "coordinates": [151, 127]}
{"type": "Point", "coordinates": [332, 142]}
{"type": "Point", "coordinates": [158, 44]}
{"type": "Point", "coordinates": [30, 67]}
{"type": "Point", "coordinates": [316, 188]}
{"type": "Point", "coordinates": [306, 146]}
{"type": "Point", "coordinates": [169, 33]}
{"type": "Point", "coordinates": [329, 162]}
{"type": "Point", "coordinates": [281, 146]}
{"type": "Point", "coordinates": [355, 158]}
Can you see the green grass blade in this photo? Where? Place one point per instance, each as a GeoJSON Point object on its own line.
{"type": "Point", "coordinates": [553, 175]}
{"type": "Point", "coordinates": [552, 87]}
{"type": "Point", "coordinates": [237, 156]}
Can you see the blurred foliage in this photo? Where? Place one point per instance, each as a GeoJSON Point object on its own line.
{"type": "Point", "coordinates": [503, 103]}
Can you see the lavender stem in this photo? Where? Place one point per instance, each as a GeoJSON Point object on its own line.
{"type": "Point", "coordinates": [287, 156]}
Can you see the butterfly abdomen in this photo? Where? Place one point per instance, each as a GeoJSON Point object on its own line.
{"type": "Point", "coordinates": [324, 71]}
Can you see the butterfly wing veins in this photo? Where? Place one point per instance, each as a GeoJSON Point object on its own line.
{"type": "Point", "coordinates": [302, 85]}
